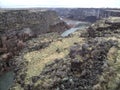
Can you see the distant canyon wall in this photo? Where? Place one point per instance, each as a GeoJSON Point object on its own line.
{"type": "Point", "coordinates": [87, 14]}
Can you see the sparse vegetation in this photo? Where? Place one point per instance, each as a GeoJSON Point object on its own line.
{"type": "Point", "coordinates": [84, 60]}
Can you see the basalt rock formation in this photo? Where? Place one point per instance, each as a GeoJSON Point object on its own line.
{"type": "Point", "coordinates": [90, 65]}
{"type": "Point", "coordinates": [12, 42]}
{"type": "Point", "coordinates": [18, 26]}
{"type": "Point", "coordinates": [39, 21]}
{"type": "Point", "coordinates": [79, 72]}
{"type": "Point", "coordinates": [87, 14]}
{"type": "Point", "coordinates": [104, 28]}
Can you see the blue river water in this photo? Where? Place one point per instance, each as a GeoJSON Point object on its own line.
{"type": "Point", "coordinates": [79, 26]}
{"type": "Point", "coordinates": [69, 31]}
{"type": "Point", "coordinates": [6, 80]}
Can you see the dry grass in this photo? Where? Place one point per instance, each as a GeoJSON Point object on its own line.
{"type": "Point", "coordinates": [38, 59]}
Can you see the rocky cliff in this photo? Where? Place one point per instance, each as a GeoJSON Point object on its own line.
{"type": "Point", "coordinates": [39, 21]}
{"type": "Point", "coordinates": [18, 26]}
{"type": "Point", "coordinates": [87, 14]}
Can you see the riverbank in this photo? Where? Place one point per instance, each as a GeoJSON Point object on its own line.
{"type": "Point", "coordinates": [75, 25]}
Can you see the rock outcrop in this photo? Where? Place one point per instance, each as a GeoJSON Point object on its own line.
{"type": "Point", "coordinates": [39, 21]}
{"type": "Point", "coordinates": [90, 65]}
{"type": "Point", "coordinates": [81, 72]}
{"type": "Point", "coordinates": [18, 26]}
{"type": "Point", "coordinates": [104, 28]}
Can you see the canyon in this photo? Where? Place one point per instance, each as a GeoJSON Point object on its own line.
{"type": "Point", "coordinates": [17, 26]}
{"type": "Point", "coordinates": [60, 49]}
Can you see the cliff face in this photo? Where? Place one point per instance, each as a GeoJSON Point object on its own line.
{"type": "Point", "coordinates": [115, 13]}
{"type": "Point", "coordinates": [81, 13]}
{"type": "Point", "coordinates": [39, 21]}
{"type": "Point", "coordinates": [87, 14]}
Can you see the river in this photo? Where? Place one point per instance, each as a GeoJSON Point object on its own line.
{"type": "Point", "coordinates": [78, 25]}
{"type": "Point", "coordinates": [6, 80]}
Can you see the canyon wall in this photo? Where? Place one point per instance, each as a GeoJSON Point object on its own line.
{"type": "Point", "coordinates": [39, 21]}
{"type": "Point", "coordinates": [87, 14]}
